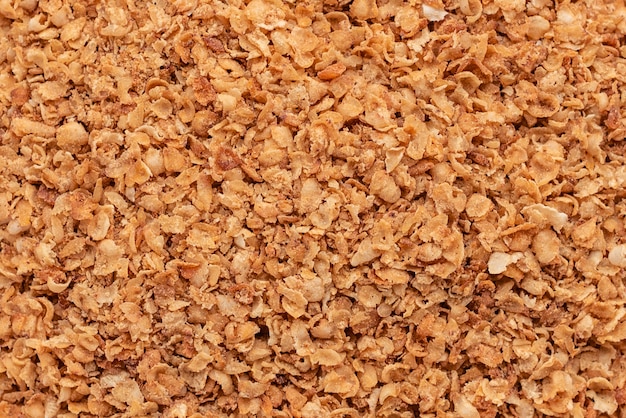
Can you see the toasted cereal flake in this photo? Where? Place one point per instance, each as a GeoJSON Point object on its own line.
{"type": "Point", "coordinates": [23, 126]}
{"type": "Point", "coordinates": [364, 9]}
{"type": "Point", "coordinates": [498, 262]}
{"type": "Point", "coordinates": [585, 234]}
{"type": "Point", "coordinates": [546, 246]}
{"type": "Point", "coordinates": [384, 186]}
{"type": "Point", "coordinates": [332, 71]}
{"type": "Point", "coordinates": [537, 27]}
{"type": "Point", "coordinates": [268, 15]}
{"type": "Point", "coordinates": [478, 206]}
{"type": "Point", "coordinates": [327, 357]}
{"type": "Point", "coordinates": [546, 215]}
{"type": "Point", "coordinates": [128, 391]}
{"type": "Point", "coordinates": [433, 14]}
{"type": "Point", "coordinates": [341, 381]}
{"type": "Point", "coordinates": [364, 254]}
{"type": "Point", "coordinates": [311, 195]}
{"type": "Point", "coordinates": [393, 276]}
{"type": "Point", "coordinates": [617, 255]}
{"type": "Point", "coordinates": [99, 226]}
{"type": "Point", "coordinates": [464, 407]}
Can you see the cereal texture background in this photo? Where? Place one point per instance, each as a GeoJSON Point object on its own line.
{"type": "Point", "coordinates": [312, 208]}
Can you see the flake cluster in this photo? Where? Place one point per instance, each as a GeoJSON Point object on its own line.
{"type": "Point", "coordinates": [312, 208]}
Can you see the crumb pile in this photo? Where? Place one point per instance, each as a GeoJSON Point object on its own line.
{"type": "Point", "coordinates": [312, 209]}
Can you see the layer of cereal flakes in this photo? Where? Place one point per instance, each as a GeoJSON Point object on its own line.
{"type": "Point", "coordinates": [315, 208]}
